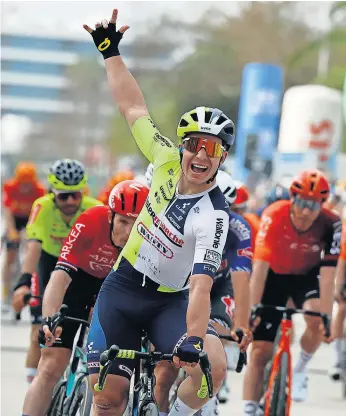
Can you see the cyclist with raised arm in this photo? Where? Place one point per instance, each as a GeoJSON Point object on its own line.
{"type": "Point", "coordinates": [175, 244]}
{"type": "Point", "coordinates": [19, 193]}
{"type": "Point", "coordinates": [296, 253]}
{"type": "Point", "coordinates": [339, 318]}
{"type": "Point", "coordinates": [87, 256]}
{"type": "Point", "coordinates": [51, 219]}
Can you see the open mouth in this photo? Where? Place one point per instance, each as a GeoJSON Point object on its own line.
{"type": "Point", "coordinates": [198, 168]}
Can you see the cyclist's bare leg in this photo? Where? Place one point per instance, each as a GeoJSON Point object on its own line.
{"type": "Point", "coordinates": [187, 392]}
{"type": "Point", "coordinates": [311, 338]}
{"type": "Point", "coordinates": [165, 374]}
{"type": "Point", "coordinates": [51, 367]}
{"type": "Point", "coordinates": [338, 321]}
{"type": "Point", "coordinates": [261, 353]}
{"type": "Point", "coordinates": [112, 400]}
{"type": "Point", "coordinates": [34, 352]}
{"type": "Point", "coordinates": [9, 260]}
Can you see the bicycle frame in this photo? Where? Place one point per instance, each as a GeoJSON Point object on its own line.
{"type": "Point", "coordinates": [284, 346]}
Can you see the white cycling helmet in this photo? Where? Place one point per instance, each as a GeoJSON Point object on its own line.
{"type": "Point", "coordinates": [227, 185]}
{"type": "Point", "coordinates": [149, 174]}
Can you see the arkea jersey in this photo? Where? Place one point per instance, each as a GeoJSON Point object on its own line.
{"type": "Point", "coordinates": [289, 251]}
{"type": "Point", "coordinates": [237, 254]}
{"type": "Point", "coordinates": [47, 225]}
{"type": "Point", "coordinates": [88, 246]}
{"type": "Point", "coordinates": [19, 202]}
{"type": "Point", "coordinates": [174, 235]}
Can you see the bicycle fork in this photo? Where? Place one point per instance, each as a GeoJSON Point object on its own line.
{"type": "Point", "coordinates": [284, 347]}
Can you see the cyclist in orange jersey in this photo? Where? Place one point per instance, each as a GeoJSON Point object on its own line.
{"type": "Point", "coordinates": [240, 206]}
{"type": "Point", "coordinates": [296, 253]}
{"type": "Point", "coordinates": [338, 321]}
{"type": "Point", "coordinates": [19, 193]}
{"type": "Point", "coordinates": [121, 175]}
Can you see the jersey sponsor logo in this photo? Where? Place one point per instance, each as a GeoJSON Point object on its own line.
{"type": "Point", "coordinates": [335, 249]}
{"type": "Point", "coordinates": [240, 269]}
{"type": "Point", "coordinates": [213, 257]}
{"type": "Point", "coordinates": [173, 238]}
{"type": "Point", "coordinates": [126, 369]}
{"type": "Point", "coordinates": [101, 263]}
{"type": "Point", "coordinates": [245, 252]}
{"type": "Point", "coordinates": [161, 140]}
{"type": "Point", "coordinates": [209, 268]}
{"type": "Point", "coordinates": [72, 237]}
{"type": "Point", "coordinates": [163, 193]}
{"type": "Point", "coordinates": [240, 229]}
{"type": "Point", "coordinates": [218, 232]}
{"type": "Point", "coordinates": [34, 214]}
{"type": "Point", "coordinates": [94, 364]}
{"type": "Point", "coordinates": [229, 305]}
{"type": "Point", "coordinates": [154, 241]}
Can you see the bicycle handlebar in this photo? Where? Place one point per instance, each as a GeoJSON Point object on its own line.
{"type": "Point", "coordinates": [257, 311]}
{"type": "Point", "coordinates": [61, 316]}
{"type": "Point", "coordinates": [108, 356]}
{"type": "Point", "coordinates": [242, 355]}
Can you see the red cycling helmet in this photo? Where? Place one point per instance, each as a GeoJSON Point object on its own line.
{"type": "Point", "coordinates": [242, 195]}
{"type": "Point", "coordinates": [311, 184]}
{"type": "Point", "coordinates": [128, 197]}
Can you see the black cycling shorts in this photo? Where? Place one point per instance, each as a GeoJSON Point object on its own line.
{"type": "Point", "coordinates": [80, 298]}
{"type": "Point", "coordinates": [20, 224]}
{"type": "Point", "coordinates": [278, 289]}
{"type": "Point", "coordinates": [124, 308]}
{"type": "Point", "coordinates": [222, 303]}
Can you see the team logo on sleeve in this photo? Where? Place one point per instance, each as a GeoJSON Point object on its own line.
{"type": "Point", "coordinates": [212, 257]}
{"type": "Point", "coordinates": [245, 252]}
{"type": "Point", "coordinates": [218, 232]}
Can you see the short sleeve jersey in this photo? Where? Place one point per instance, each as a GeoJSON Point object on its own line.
{"type": "Point", "coordinates": [289, 251]}
{"type": "Point", "coordinates": [88, 246]}
{"type": "Point", "coordinates": [175, 235]}
{"type": "Point", "coordinates": [47, 225]}
{"type": "Point", "coordinates": [19, 202]}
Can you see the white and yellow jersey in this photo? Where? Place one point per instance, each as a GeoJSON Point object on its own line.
{"type": "Point", "coordinates": [174, 235]}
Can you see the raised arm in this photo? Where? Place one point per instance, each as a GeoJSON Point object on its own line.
{"type": "Point", "coordinates": [123, 86]}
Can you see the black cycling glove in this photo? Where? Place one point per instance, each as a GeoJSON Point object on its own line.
{"type": "Point", "coordinates": [107, 40]}
{"type": "Point", "coordinates": [190, 349]}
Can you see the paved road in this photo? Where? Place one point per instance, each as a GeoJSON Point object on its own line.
{"type": "Point", "coordinates": [324, 397]}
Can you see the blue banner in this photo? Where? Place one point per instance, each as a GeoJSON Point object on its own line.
{"type": "Point", "coordinates": [258, 121]}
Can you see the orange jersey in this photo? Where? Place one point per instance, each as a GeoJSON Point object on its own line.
{"type": "Point", "coordinates": [343, 242]}
{"type": "Point", "coordinates": [18, 201]}
{"type": "Point", "coordinates": [254, 223]}
{"type": "Point", "coordinates": [289, 251]}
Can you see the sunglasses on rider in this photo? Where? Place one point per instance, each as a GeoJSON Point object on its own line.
{"type": "Point", "coordinates": [64, 196]}
{"type": "Point", "coordinates": [307, 203]}
{"type": "Point", "coordinates": [194, 144]}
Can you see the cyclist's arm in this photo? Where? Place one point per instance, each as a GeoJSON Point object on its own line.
{"type": "Point", "coordinates": [198, 311]}
{"type": "Point", "coordinates": [125, 90]}
{"type": "Point", "coordinates": [341, 267]}
{"type": "Point", "coordinates": [264, 247]}
{"type": "Point", "coordinates": [240, 259]}
{"type": "Point", "coordinates": [211, 232]}
{"type": "Point", "coordinates": [55, 292]}
{"type": "Point", "coordinates": [10, 224]}
{"type": "Point", "coordinates": [327, 279]}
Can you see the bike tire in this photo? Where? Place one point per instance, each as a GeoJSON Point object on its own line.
{"type": "Point", "coordinates": [149, 409]}
{"type": "Point", "coordinates": [56, 407]}
{"type": "Point", "coordinates": [278, 398]}
{"type": "Point", "coordinates": [82, 398]}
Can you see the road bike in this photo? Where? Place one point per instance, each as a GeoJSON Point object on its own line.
{"type": "Point", "coordinates": [277, 392]}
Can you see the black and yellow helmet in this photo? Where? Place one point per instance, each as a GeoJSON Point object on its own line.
{"type": "Point", "coordinates": [67, 175]}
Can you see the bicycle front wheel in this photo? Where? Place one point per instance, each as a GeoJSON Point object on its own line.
{"type": "Point", "coordinates": [82, 398]}
{"type": "Point", "coordinates": [278, 399]}
{"type": "Point", "coordinates": [57, 403]}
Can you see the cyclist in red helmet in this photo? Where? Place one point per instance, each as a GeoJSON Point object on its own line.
{"type": "Point", "coordinates": [296, 253]}
{"type": "Point", "coordinates": [87, 256]}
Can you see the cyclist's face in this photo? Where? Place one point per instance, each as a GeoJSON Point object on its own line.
{"type": "Point", "coordinates": [198, 168]}
{"type": "Point", "coordinates": [69, 206]}
{"type": "Point", "coordinates": [122, 227]}
{"type": "Point", "coordinates": [303, 217]}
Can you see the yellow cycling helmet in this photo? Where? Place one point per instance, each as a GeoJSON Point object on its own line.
{"type": "Point", "coordinates": [67, 175]}
{"type": "Point", "coordinates": [207, 120]}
